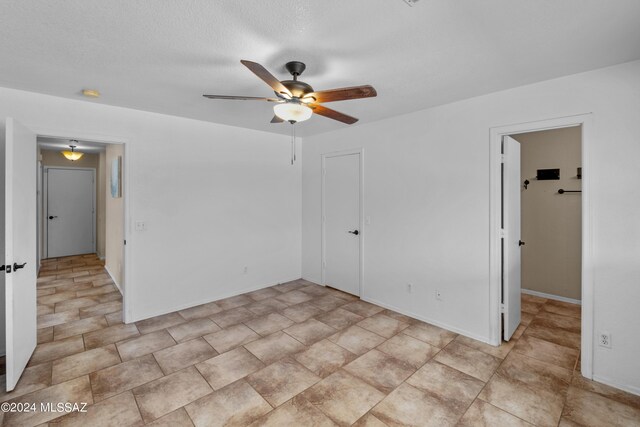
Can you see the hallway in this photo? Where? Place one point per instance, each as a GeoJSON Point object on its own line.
{"type": "Point", "coordinates": [296, 353]}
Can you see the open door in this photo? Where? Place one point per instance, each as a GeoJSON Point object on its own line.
{"type": "Point", "coordinates": [511, 243]}
{"type": "Point", "coordinates": [20, 248]}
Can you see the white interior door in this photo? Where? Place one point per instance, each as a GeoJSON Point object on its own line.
{"type": "Point", "coordinates": [511, 264]}
{"type": "Point", "coordinates": [20, 248]}
{"type": "Point", "coordinates": [70, 211]}
{"type": "Point", "coordinates": [341, 228]}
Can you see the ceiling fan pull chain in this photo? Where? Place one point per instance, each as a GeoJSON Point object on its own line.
{"type": "Point", "coordinates": [294, 142]}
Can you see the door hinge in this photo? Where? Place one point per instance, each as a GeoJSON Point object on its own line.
{"type": "Point", "coordinates": [502, 233]}
{"type": "Point", "coordinates": [125, 242]}
{"type": "Point", "coordinates": [501, 308]}
{"type": "Point", "coordinates": [502, 158]}
{"type": "Point", "coordinates": [324, 264]}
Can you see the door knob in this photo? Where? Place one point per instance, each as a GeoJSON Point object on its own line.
{"type": "Point", "coordinates": [356, 232]}
{"type": "Point", "coordinates": [53, 216]}
{"type": "Point", "coordinates": [17, 266]}
{"type": "Point", "coordinates": [520, 243]}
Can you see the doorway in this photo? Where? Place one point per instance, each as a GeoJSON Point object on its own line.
{"type": "Point", "coordinates": [551, 177]}
{"type": "Point", "coordinates": [507, 244]}
{"type": "Point", "coordinates": [69, 211]}
{"type": "Point", "coordinates": [33, 286]}
{"type": "Point", "coordinates": [342, 221]}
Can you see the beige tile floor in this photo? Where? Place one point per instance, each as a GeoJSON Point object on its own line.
{"type": "Point", "coordinates": [298, 354]}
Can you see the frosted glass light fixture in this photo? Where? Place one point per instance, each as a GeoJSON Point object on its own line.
{"type": "Point", "coordinates": [292, 112]}
{"type": "Point", "coordinates": [72, 155]}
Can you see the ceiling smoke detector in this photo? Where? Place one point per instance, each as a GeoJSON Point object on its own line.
{"type": "Point", "coordinates": [411, 2]}
{"type": "Point", "coordinates": [91, 93]}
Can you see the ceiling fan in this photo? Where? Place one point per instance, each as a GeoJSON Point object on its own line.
{"type": "Point", "coordinates": [296, 100]}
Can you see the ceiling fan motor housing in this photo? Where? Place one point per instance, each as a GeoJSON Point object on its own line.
{"type": "Point", "coordinates": [297, 87]}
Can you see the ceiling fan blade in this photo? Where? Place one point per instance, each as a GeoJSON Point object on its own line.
{"type": "Point", "coordinates": [333, 114]}
{"type": "Point", "coordinates": [266, 76]}
{"type": "Point", "coordinates": [276, 119]}
{"type": "Point", "coordinates": [343, 94]}
{"type": "Point", "coordinates": [242, 98]}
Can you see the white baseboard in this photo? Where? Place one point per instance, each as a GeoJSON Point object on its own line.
{"type": "Point", "coordinates": [550, 296]}
{"type": "Point", "coordinates": [623, 387]}
{"type": "Point", "coordinates": [208, 300]}
{"type": "Point", "coordinates": [422, 318]}
{"type": "Point", "coordinates": [114, 280]}
{"type": "Point", "coordinates": [317, 282]}
{"type": "Point", "coordinates": [429, 320]}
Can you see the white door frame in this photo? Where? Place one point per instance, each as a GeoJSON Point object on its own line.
{"type": "Point", "coordinates": [45, 205]}
{"type": "Point", "coordinates": [324, 157]}
{"type": "Point", "coordinates": [495, 193]}
{"type": "Point", "coordinates": [127, 186]}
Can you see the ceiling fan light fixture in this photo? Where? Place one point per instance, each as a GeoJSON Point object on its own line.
{"type": "Point", "coordinates": [72, 155]}
{"type": "Point", "coordinates": [292, 112]}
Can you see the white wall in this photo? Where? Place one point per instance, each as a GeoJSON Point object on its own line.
{"type": "Point", "coordinates": [214, 198]}
{"type": "Point", "coordinates": [114, 216]}
{"type": "Point", "coordinates": [101, 206]}
{"type": "Point", "coordinates": [426, 189]}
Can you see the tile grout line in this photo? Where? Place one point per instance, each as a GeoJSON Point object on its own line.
{"type": "Point", "coordinates": [306, 347]}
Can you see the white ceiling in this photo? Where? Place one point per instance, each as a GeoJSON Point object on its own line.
{"type": "Point", "coordinates": [58, 144]}
{"type": "Point", "coordinates": [163, 55]}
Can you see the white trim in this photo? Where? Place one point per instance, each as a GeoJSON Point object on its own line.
{"type": "Point", "coordinates": [496, 133]}
{"type": "Point", "coordinates": [208, 300]}
{"type": "Point", "coordinates": [45, 206]}
{"type": "Point", "coordinates": [428, 320]}
{"type": "Point", "coordinates": [551, 296]}
{"type": "Point", "coordinates": [113, 277]}
{"type": "Point", "coordinates": [409, 314]}
{"type": "Point", "coordinates": [624, 387]}
{"type": "Point", "coordinates": [127, 268]}
{"type": "Point", "coordinates": [324, 156]}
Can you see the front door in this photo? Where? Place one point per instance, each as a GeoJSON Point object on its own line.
{"type": "Point", "coordinates": [70, 211]}
{"type": "Point", "coordinates": [342, 222]}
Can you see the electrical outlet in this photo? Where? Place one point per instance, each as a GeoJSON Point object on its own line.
{"type": "Point", "coordinates": [605, 340]}
{"type": "Point", "coordinates": [409, 288]}
{"type": "Point", "coordinates": [438, 295]}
